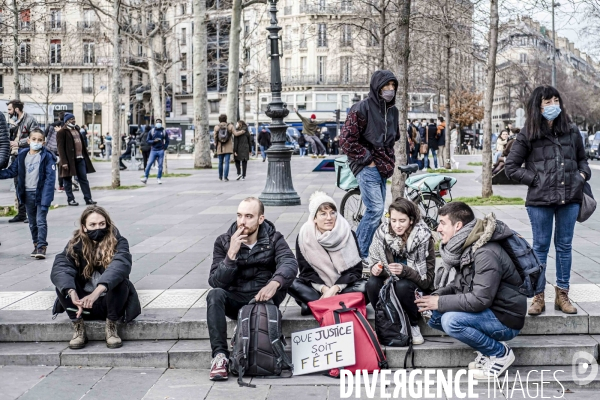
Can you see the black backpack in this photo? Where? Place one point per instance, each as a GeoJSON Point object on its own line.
{"type": "Point", "coordinates": [258, 343]}
{"type": "Point", "coordinates": [223, 135]}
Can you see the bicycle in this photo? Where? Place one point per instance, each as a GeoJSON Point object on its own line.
{"type": "Point", "coordinates": [427, 191]}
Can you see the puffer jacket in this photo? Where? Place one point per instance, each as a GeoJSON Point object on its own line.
{"type": "Point", "coordinates": [479, 285]}
{"type": "Point", "coordinates": [552, 168]}
{"type": "Point", "coordinates": [4, 142]}
{"type": "Point", "coordinates": [271, 259]}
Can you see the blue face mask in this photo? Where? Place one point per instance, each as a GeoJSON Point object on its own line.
{"type": "Point", "coordinates": [551, 112]}
{"type": "Point", "coordinates": [35, 146]}
{"type": "Point", "coordinates": [158, 125]}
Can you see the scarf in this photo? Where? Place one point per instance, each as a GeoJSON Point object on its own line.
{"type": "Point", "coordinates": [329, 253]}
{"type": "Point", "coordinates": [415, 249]}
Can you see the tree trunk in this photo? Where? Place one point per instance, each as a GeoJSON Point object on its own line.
{"type": "Point", "coordinates": [155, 89]}
{"type": "Point", "coordinates": [446, 155]}
{"type": "Point", "coordinates": [243, 113]}
{"type": "Point", "coordinates": [381, 34]}
{"type": "Point", "coordinates": [16, 82]}
{"type": "Point", "coordinates": [116, 84]}
{"type": "Point", "coordinates": [486, 157]}
{"type": "Point", "coordinates": [201, 134]}
{"type": "Point", "coordinates": [403, 54]}
{"type": "Point", "coordinates": [234, 61]}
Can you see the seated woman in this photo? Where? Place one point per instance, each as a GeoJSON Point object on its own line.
{"type": "Point", "coordinates": [91, 276]}
{"type": "Point", "coordinates": [404, 244]}
{"type": "Point", "coordinates": [327, 253]}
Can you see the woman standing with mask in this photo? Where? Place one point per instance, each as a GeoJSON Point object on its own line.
{"type": "Point", "coordinates": [91, 277]}
{"type": "Point", "coordinates": [555, 170]}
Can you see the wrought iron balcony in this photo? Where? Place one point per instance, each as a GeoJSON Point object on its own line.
{"type": "Point", "coordinates": [55, 26]}
{"type": "Point", "coordinates": [88, 26]}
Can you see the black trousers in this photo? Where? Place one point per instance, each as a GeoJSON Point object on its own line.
{"type": "Point", "coordinates": [303, 293]}
{"type": "Point", "coordinates": [244, 163]}
{"type": "Point", "coordinates": [81, 178]}
{"type": "Point", "coordinates": [221, 303]}
{"type": "Point", "coordinates": [111, 305]}
{"type": "Point", "coordinates": [405, 291]}
{"type": "Point", "coordinates": [145, 155]}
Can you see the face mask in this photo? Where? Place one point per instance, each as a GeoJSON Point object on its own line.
{"type": "Point", "coordinates": [97, 234]}
{"type": "Point", "coordinates": [158, 125]}
{"type": "Point", "coordinates": [551, 112]}
{"type": "Point", "coordinates": [388, 95]}
{"type": "Point", "coordinates": [71, 125]}
{"type": "Point", "coordinates": [35, 146]}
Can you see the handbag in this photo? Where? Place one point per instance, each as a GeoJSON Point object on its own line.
{"type": "Point", "coordinates": [424, 147]}
{"type": "Point", "coordinates": [588, 205]}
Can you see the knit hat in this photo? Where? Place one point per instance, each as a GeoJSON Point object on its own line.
{"type": "Point", "coordinates": [313, 116]}
{"type": "Point", "coordinates": [67, 117]}
{"type": "Point", "coordinates": [315, 201]}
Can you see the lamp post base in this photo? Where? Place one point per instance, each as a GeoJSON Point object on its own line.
{"type": "Point", "coordinates": [279, 189]}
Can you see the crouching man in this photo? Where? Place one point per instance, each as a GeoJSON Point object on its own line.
{"type": "Point", "coordinates": [251, 261]}
{"type": "Point", "coordinates": [477, 307]}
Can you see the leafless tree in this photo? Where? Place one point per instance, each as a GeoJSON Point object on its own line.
{"type": "Point", "coordinates": [201, 132]}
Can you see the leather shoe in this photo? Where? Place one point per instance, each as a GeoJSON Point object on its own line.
{"type": "Point", "coordinates": [90, 202]}
{"type": "Point", "coordinates": [17, 218]}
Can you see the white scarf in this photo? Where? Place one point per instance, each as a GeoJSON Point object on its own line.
{"type": "Point", "coordinates": [329, 253]}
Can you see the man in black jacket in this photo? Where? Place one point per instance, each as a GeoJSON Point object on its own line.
{"type": "Point", "coordinates": [251, 261]}
{"type": "Point", "coordinates": [479, 306]}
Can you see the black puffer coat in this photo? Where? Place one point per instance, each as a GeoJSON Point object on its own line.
{"type": "Point", "coordinates": [557, 161]}
{"type": "Point", "coordinates": [271, 259]}
{"type": "Point", "coordinates": [66, 275]}
{"type": "Point", "coordinates": [4, 142]}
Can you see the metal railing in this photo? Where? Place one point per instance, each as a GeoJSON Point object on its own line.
{"type": "Point", "coordinates": [55, 26]}
{"type": "Point", "coordinates": [346, 43]}
{"type": "Point", "coordinates": [295, 79]}
{"type": "Point", "coordinates": [55, 89]}
{"type": "Point", "coordinates": [87, 90]}
{"type": "Point", "coordinates": [26, 90]}
{"type": "Point", "coordinates": [88, 26]}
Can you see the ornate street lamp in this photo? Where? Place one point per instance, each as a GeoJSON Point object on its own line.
{"type": "Point", "coordinates": [279, 188]}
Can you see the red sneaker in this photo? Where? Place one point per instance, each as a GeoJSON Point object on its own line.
{"type": "Point", "coordinates": [218, 369]}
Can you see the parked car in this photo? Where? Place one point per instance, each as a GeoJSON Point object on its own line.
{"type": "Point", "coordinates": [593, 151]}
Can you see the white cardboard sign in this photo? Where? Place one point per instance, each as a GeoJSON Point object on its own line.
{"type": "Point", "coordinates": [323, 348]}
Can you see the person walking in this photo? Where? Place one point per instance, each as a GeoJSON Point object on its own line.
{"type": "Point", "coordinates": [441, 141]}
{"type": "Point", "coordinates": [309, 129]}
{"type": "Point", "coordinates": [549, 157]}
{"type": "Point", "coordinates": [242, 143]}
{"type": "Point", "coordinates": [432, 142]}
{"type": "Point", "coordinates": [264, 141]}
{"type": "Point", "coordinates": [453, 145]}
{"type": "Point", "coordinates": [74, 160]}
{"type": "Point", "coordinates": [145, 147]}
{"type": "Point", "coordinates": [223, 136]}
{"type": "Point", "coordinates": [108, 143]}
{"type": "Point", "coordinates": [101, 144]}
{"type": "Point", "coordinates": [159, 140]}
{"type": "Point", "coordinates": [302, 144]}
{"type": "Point", "coordinates": [368, 136]}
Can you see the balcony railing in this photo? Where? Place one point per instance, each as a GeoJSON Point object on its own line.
{"type": "Point", "coordinates": [287, 10]}
{"type": "Point", "coordinates": [55, 26]}
{"type": "Point", "coordinates": [87, 90]}
{"type": "Point", "coordinates": [320, 10]}
{"type": "Point", "coordinates": [88, 26]}
{"type": "Point", "coordinates": [26, 90]}
{"type": "Point", "coordinates": [295, 79]}
{"type": "Point", "coordinates": [89, 60]}
{"type": "Point", "coordinates": [54, 89]}
{"type": "Point", "coordinates": [26, 26]}
{"type": "Point", "coordinates": [346, 43]}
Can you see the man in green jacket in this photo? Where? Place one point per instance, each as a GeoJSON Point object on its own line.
{"type": "Point", "coordinates": [309, 129]}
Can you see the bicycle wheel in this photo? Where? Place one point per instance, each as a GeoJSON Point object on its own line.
{"type": "Point", "coordinates": [352, 208]}
{"type": "Point", "coordinates": [429, 205]}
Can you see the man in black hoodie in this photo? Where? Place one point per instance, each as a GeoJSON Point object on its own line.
{"type": "Point", "coordinates": [367, 138]}
{"type": "Point", "coordinates": [251, 261]}
{"type": "Point", "coordinates": [478, 305]}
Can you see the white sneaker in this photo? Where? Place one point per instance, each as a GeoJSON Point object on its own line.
{"type": "Point", "coordinates": [159, 181]}
{"type": "Point", "coordinates": [479, 362]}
{"type": "Point", "coordinates": [495, 366]}
{"type": "Point", "coordinates": [417, 338]}
{"type": "Point", "coordinates": [144, 180]}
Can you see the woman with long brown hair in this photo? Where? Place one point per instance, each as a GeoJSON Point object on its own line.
{"type": "Point", "coordinates": [242, 144]}
{"type": "Point", "coordinates": [91, 276]}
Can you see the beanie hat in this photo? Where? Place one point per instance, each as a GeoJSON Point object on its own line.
{"type": "Point", "coordinates": [67, 117]}
{"type": "Point", "coordinates": [315, 201]}
{"type": "Point", "coordinates": [313, 116]}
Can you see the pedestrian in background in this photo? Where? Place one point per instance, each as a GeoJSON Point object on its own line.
{"type": "Point", "coordinates": [159, 140]}
{"type": "Point", "coordinates": [302, 144]}
{"type": "Point", "coordinates": [548, 156]}
{"type": "Point", "coordinates": [242, 143]}
{"type": "Point", "coordinates": [145, 147]}
{"type": "Point", "coordinates": [108, 143]}
{"type": "Point", "coordinates": [441, 141]}
{"type": "Point", "coordinates": [264, 141]}
{"type": "Point", "coordinates": [223, 145]}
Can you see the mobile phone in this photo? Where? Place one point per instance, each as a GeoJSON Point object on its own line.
{"type": "Point", "coordinates": [75, 310]}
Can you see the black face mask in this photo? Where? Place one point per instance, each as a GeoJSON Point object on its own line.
{"type": "Point", "coordinates": [97, 234]}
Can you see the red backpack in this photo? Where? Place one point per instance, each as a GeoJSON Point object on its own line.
{"type": "Point", "coordinates": [351, 307]}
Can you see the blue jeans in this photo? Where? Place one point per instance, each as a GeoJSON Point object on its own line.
{"type": "Point", "coordinates": [224, 159]}
{"type": "Point", "coordinates": [155, 155]}
{"type": "Point", "coordinates": [372, 191]}
{"type": "Point", "coordinates": [482, 331]}
{"type": "Point", "coordinates": [434, 153]}
{"type": "Point", "coordinates": [263, 149]}
{"type": "Point", "coordinates": [37, 219]}
{"type": "Point", "coordinates": [541, 218]}
{"type": "Point", "coordinates": [302, 151]}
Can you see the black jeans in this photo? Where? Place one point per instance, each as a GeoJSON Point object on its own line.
{"type": "Point", "coordinates": [83, 181]}
{"type": "Point", "coordinates": [303, 293]}
{"type": "Point", "coordinates": [111, 305]}
{"type": "Point", "coordinates": [145, 155]}
{"type": "Point", "coordinates": [221, 303]}
{"type": "Point", "coordinates": [405, 290]}
{"type": "Point", "coordinates": [244, 163]}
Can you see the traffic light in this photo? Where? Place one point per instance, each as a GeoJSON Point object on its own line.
{"type": "Point", "coordinates": [337, 114]}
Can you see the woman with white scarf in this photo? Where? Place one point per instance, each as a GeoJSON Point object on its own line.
{"type": "Point", "coordinates": [327, 253]}
{"type": "Point", "coordinates": [404, 244]}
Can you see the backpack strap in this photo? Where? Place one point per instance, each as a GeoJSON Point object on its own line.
{"type": "Point", "coordinates": [406, 322]}
{"type": "Point", "coordinates": [274, 336]}
{"type": "Point", "coordinates": [244, 318]}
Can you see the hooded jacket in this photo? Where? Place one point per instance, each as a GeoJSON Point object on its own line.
{"type": "Point", "coordinates": [372, 128]}
{"type": "Point", "coordinates": [478, 286]}
{"type": "Point", "coordinates": [271, 259]}
{"type": "Point", "coordinates": [4, 142]}
{"type": "Point", "coordinates": [44, 193]}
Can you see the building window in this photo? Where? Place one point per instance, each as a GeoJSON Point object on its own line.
{"type": "Point", "coordinates": [25, 83]}
{"type": "Point", "coordinates": [184, 83]}
{"type": "Point", "coordinates": [184, 61]}
{"type": "Point", "coordinates": [302, 36]}
{"type": "Point", "coordinates": [25, 20]}
{"type": "Point", "coordinates": [25, 56]}
{"type": "Point", "coordinates": [322, 5]}
{"type": "Point", "coordinates": [523, 58]}
{"type": "Point", "coordinates": [183, 108]}
{"type": "Point", "coordinates": [288, 67]}
{"type": "Point", "coordinates": [1, 83]}
{"type": "Point", "coordinates": [346, 5]}
{"type": "Point", "coordinates": [183, 9]}
{"type": "Point", "coordinates": [303, 66]}
{"type": "Point", "coordinates": [89, 52]}
{"type": "Point", "coordinates": [88, 83]}
{"type": "Point", "coordinates": [55, 51]}
{"type": "Point", "coordinates": [322, 36]}
{"type": "Point", "coordinates": [326, 102]}
{"type": "Point", "coordinates": [346, 37]}
{"type": "Point", "coordinates": [246, 54]}
{"type": "Point", "coordinates": [321, 69]}
{"type": "Point", "coordinates": [88, 18]}
{"type": "Point", "coordinates": [55, 85]}
{"type": "Point", "coordinates": [140, 78]}
{"type": "Point", "coordinates": [214, 106]}
{"type": "Point", "coordinates": [346, 69]}
{"type": "Point", "coordinates": [183, 36]}
{"type": "Point", "coordinates": [55, 19]}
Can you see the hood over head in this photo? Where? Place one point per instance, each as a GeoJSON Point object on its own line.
{"type": "Point", "coordinates": [379, 79]}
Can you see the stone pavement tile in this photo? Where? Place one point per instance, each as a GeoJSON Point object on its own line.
{"type": "Point", "coordinates": [231, 390]}
{"type": "Point", "coordinates": [175, 267]}
{"type": "Point", "coordinates": [8, 298]}
{"type": "Point", "coordinates": [32, 326]}
{"type": "Point", "coordinates": [183, 384]}
{"type": "Point", "coordinates": [154, 282]}
{"type": "Point", "coordinates": [125, 384]}
{"type": "Point", "coordinates": [16, 380]}
{"type": "Point", "coordinates": [146, 296]}
{"type": "Point", "coordinates": [31, 353]}
{"type": "Point", "coordinates": [66, 383]}
{"type": "Point", "coordinates": [296, 392]}
{"type": "Point", "coordinates": [177, 298]}
{"type": "Point", "coordinates": [137, 353]}
{"type": "Point", "coordinates": [190, 354]}
{"type": "Point", "coordinates": [40, 281]}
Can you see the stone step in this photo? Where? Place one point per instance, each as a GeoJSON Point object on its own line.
{"type": "Point", "coordinates": [196, 354]}
{"type": "Point", "coordinates": [174, 324]}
